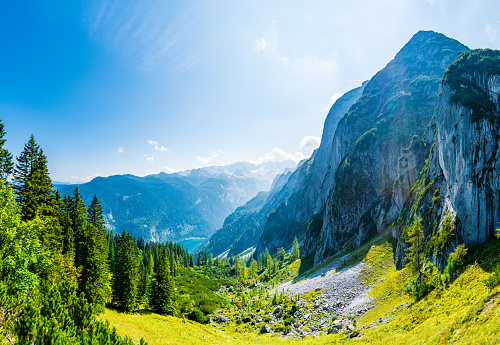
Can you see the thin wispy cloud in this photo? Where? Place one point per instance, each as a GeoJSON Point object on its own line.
{"type": "Point", "coordinates": [152, 142]}
{"type": "Point", "coordinates": [208, 159]}
{"type": "Point", "coordinates": [149, 158]}
{"type": "Point", "coordinates": [121, 149]}
{"type": "Point", "coordinates": [152, 37]}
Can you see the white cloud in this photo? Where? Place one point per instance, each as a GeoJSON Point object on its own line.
{"type": "Point", "coordinates": [261, 44]}
{"type": "Point", "coordinates": [278, 155]}
{"type": "Point", "coordinates": [310, 143]}
{"type": "Point", "coordinates": [152, 142]}
{"type": "Point", "coordinates": [168, 170]}
{"type": "Point", "coordinates": [208, 159]}
{"type": "Point", "coordinates": [149, 158]}
{"type": "Point", "coordinates": [92, 176]}
{"type": "Point", "coordinates": [74, 177]}
{"type": "Point", "coordinates": [161, 148]}
{"type": "Point", "coordinates": [335, 96]}
{"type": "Point", "coordinates": [121, 149]}
{"type": "Point", "coordinates": [203, 160]}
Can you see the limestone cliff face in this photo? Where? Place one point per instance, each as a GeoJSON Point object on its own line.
{"type": "Point", "coordinates": [367, 156]}
{"type": "Point", "coordinates": [458, 198]}
{"type": "Point", "coordinates": [288, 212]}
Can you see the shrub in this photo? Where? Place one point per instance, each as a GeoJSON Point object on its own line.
{"type": "Point", "coordinates": [198, 316]}
{"type": "Point", "coordinates": [417, 288]}
{"type": "Point", "coordinates": [456, 261]}
{"type": "Point", "coordinates": [494, 279]}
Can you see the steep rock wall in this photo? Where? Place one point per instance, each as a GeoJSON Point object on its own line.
{"type": "Point", "coordinates": [397, 104]}
{"type": "Point", "coordinates": [464, 164]}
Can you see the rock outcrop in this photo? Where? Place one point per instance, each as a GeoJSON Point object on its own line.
{"type": "Point", "coordinates": [458, 194]}
{"type": "Point", "coordinates": [396, 105]}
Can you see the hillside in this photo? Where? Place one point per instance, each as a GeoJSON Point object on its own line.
{"type": "Point", "coordinates": [462, 310]}
{"type": "Point", "coordinates": [180, 206]}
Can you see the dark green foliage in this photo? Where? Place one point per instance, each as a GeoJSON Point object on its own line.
{"type": "Point", "coordinates": [39, 197]}
{"type": "Point", "coordinates": [125, 274]}
{"type": "Point", "coordinates": [93, 281]}
{"type": "Point", "coordinates": [295, 248]}
{"type": "Point", "coordinates": [439, 240]}
{"type": "Point", "coordinates": [61, 317]}
{"type": "Point", "coordinates": [23, 170]}
{"type": "Point", "coordinates": [197, 291]}
{"type": "Point", "coordinates": [198, 316]}
{"type": "Point", "coordinates": [6, 164]}
{"type": "Point", "coordinates": [315, 225]}
{"type": "Point", "coordinates": [34, 309]}
{"type": "Point", "coordinates": [162, 289]}
{"type": "Point", "coordinates": [33, 184]}
{"type": "Point", "coordinates": [461, 74]}
{"type": "Point", "coordinates": [68, 236]}
{"type": "Point", "coordinates": [202, 258]}
{"type": "Point", "coordinates": [78, 215]}
{"type": "Point", "coordinates": [456, 261]}
{"type": "Point", "coordinates": [415, 257]}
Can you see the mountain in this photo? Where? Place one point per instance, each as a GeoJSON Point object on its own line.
{"type": "Point", "coordinates": [457, 195]}
{"type": "Point", "coordinates": [395, 108]}
{"type": "Point", "coordinates": [370, 157]}
{"type": "Point", "coordinates": [179, 206]}
{"type": "Point", "coordinates": [243, 228]}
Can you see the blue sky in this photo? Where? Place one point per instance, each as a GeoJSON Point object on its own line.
{"type": "Point", "coordinates": [113, 87]}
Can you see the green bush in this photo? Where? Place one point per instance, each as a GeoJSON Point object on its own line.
{"type": "Point", "coordinates": [417, 288]}
{"type": "Point", "coordinates": [456, 261]}
{"type": "Point", "coordinates": [494, 279]}
{"type": "Point", "coordinates": [198, 316]}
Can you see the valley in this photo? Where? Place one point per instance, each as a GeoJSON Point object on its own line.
{"type": "Point", "coordinates": [388, 233]}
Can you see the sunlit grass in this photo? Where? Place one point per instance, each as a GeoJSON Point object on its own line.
{"type": "Point", "coordinates": [465, 312]}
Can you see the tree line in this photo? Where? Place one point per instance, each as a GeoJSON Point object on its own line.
{"type": "Point", "coordinates": [59, 267]}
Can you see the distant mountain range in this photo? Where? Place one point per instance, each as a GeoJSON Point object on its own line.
{"type": "Point", "coordinates": [183, 206]}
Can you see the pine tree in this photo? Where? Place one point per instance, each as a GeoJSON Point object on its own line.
{"type": "Point", "coordinates": [415, 257]}
{"type": "Point", "coordinates": [68, 236]}
{"type": "Point", "coordinates": [295, 248]}
{"type": "Point", "coordinates": [6, 164]}
{"type": "Point", "coordinates": [125, 274]}
{"type": "Point", "coordinates": [162, 287]}
{"type": "Point", "coordinates": [281, 254]}
{"type": "Point", "coordinates": [78, 215]}
{"type": "Point", "coordinates": [93, 280]}
{"type": "Point", "coordinates": [23, 169]}
{"type": "Point", "coordinates": [38, 193]}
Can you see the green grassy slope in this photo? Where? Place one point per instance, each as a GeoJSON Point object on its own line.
{"type": "Point", "coordinates": [465, 312]}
